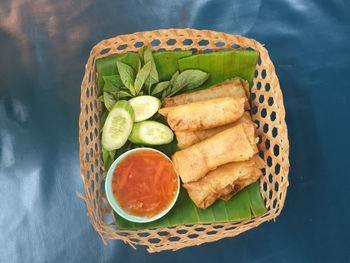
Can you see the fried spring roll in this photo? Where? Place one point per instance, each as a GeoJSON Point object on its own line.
{"type": "Point", "coordinates": [232, 145]}
{"type": "Point", "coordinates": [187, 138]}
{"type": "Point", "coordinates": [204, 114]}
{"type": "Point", "coordinates": [223, 182]}
{"type": "Point", "coordinates": [233, 87]}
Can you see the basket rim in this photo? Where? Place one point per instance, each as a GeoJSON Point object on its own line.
{"type": "Point", "coordinates": [160, 34]}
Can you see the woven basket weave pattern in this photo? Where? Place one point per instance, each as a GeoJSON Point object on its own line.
{"type": "Point", "coordinates": [267, 112]}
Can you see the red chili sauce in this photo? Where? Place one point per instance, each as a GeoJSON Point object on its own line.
{"type": "Point", "coordinates": [144, 183]}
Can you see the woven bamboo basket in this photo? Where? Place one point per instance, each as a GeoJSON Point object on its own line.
{"type": "Point", "coordinates": [267, 111]}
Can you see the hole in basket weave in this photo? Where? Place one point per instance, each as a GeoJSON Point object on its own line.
{"type": "Point", "coordinates": [173, 239]}
{"type": "Point", "coordinates": [86, 109]}
{"type": "Point", "coordinates": [254, 109]}
{"type": "Point", "coordinates": [200, 229]}
{"type": "Point", "coordinates": [88, 175]}
{"type": "Point", "coordinates": [193, 236]}
{"type": "Point", "coordinates": [258, 85]}
{"type": "Point", "coordinates": [266, 128]}
{"type": "Point", "coordinates": [92, 185]}
{"type": "Point", "coordinates": [217, 227]}
{"type": "Point", "coordinates": [143, 234]}
{"type": "Point", "coordinates": [277, 168]}
{"type": "Point", "coordinates": [203, 42]}
{"type": "Point", "coordinates": [97, 178]}
{"type": "Point", "coordinates": [220, 44]}
{"type": "Point", "coordinates": [253, 96]}
{"type": "Point", "coordinates": [270, 101]}
{"type": "Point", "coordinates": [161, 50]}
{"type": "Point", "coordinates": [212, 232]}
{"type": "Point", "coordinates": [270, 178]}
{"type": "Point", "coordinates": [260, 139]}
{"type": "Point", "coordinates": [95, 117]}
{"type": "Point", "coordinates": [263, 74]}
{"type": "Point", "coordinates": [270, 194]}
{"type": "Point", "coordinates": [86, 125]}
{"type": "Point", "coordinates": [207, 51]}
{"type": "Point", "coordinates": [86, 140]}
{"type": "Point", "coordinates": [256, 73]}
{"type": "Point", "coordinates": [155, 43]}
{"type": "Point", "coordinates": [274, 132]}
{"type": "Point", "coordinates": [194, 50]}
{"type": "Point", "coordinates": [257, 124]}
{"type": "Point", "coordinates": [276, 150]}
{"type": "Point", "coordinates": [276, 186]}
{"type": "Point", "coordinates": [177, 49]}
{"type": "Point", "coordinates": [90, 136]}
{"type": "Point", "coordinates": [182, 231]}
{"type": "Point", "coordinates": [171, 42]}
{"type": "Point", "coordinates": [87, 157]}
{"type": "Point", "coordinates": [263, 113]}
{"type": "Point", "coordinates": [163, 233]}
{"type": "Point", "coordinates": [138, 44]}
{"type": "Point", "coordinates": [261, 98]}
{"type": "Point", "coordinates": [261, 154]}
{"type": "Point", "coordinates": [92, 168]}
{"type": "Point", "coordinates": [87, 93]}
{"type": "Point", "coordinates": [104, 51]}
{"type": "Point", "coordinates": [121, 47]}
{"type": "Point", "coordinates": [273, 116]}
{"type": "Point", "coordinates": [265, 186]}
{"type": "Point", "coordinates": [267, 144]}
{"type": "Point", "coordinates": [259, 60]}
{"type": "Point", "coordinates": [250, 49]}
{"type": "Point", "coordinates": [274, 203]}
{"type": "Point", "coordinates": [235, 46]}
{"type": "Point", "coordinates": [187, 42]}
{"type": "Point", "coordinates": [90, 119]}
{"type": "Point", "coordinates": [269, 161]}
{"type": "Point", "coordinates": [154, 240]}
{"type": "Point", "coordinates": [267, 87]}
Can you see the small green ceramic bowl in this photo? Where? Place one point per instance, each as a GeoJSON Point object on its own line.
{"type": "Point", "coordinates": [113, 202]}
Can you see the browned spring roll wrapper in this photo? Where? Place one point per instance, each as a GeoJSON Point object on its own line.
{"type": "Point", "coordinates": [204, 114]}
{"type": "Point", "coordinates": [224, 182]}
{"type": "Point", "coordinates": [187, 138]}
{"type": "Point", "coordinates": [233, 87]}
{"type": "Point", "coordinates": [232, 145]}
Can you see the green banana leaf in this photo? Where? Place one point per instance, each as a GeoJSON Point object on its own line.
{"type": "Point", "coordinates": [221, 66]}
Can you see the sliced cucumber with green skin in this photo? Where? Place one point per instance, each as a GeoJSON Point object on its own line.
{"type": "Point", "coordinates": [151, 133]}
{"type": "Point", "coordinates": [144, 107]}
{"type": "Point", "coordinates": [118, 125]}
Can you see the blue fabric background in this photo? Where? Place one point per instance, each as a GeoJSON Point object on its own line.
{"type": "Point", "coordinates": [44, 47]}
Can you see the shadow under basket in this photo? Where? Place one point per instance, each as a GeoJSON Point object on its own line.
{"type": "Point", "coordinates": [267, 112]}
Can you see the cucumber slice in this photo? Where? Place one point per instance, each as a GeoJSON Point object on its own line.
{"type": "Point", "coordinates": [151, 133]}
{"type": "Point", "coordinates": [118, 126]}
{"type": "Point", "coordinates": [144, 107]}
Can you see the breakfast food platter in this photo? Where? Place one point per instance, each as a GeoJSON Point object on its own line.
{"type": "Point", "coordinates": [197, 125]}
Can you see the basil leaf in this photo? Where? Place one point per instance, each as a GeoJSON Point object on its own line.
{"type": "Point", "coordinates": [148, 56]}
{"type": "Point", "coordinates": [124, 94]}
{"type": "Point", "coordinates": [189, 79]}
{"type": "Point", "coordinates": [127, 76]}
{"type": "Point", "coordinates": [166, 92]}
{"type": "Point", "coordinates": [109, 100]}
{"type": "Point", "coordinates": [100, 99]}
{"type": "Point", "coordinates": [108, 158]}
{"type": "Point", "coordinates": [103, 120]}
{"type": "Point", "coordinates": [174, 77]}
{"type": "Point", "coordinates": [160, 87]}
{"type": "Point", "coordinates": [112, 83]}
{"type": "Point", "coordinates": [141, 76]}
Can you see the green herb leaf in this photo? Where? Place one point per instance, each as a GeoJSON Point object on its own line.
{"type": "Point", "coordinates": [124, 94]}
{"type": "Point", "coordinates": [108, 158]}
{"type": "Point", "coordinates": [141, 76]}
{"type": "Point", "coordinates": [174, 77]}
{"type": "Point", "coordinates": [189, 79]}
{"type": "Point", "coordinates": [112, 83]}
{"type": "Point", "coordinates": [100, 98]}
{"type": "Point", "coordinates": [109, 100]}
{"type": "Point", "coordinates": [160, 87]}
{"type": "Point", "coordinates": [127, 76]}
{"type": "Point", "coordinates": [148, 56]}
{"type": "Point", "coordinates": [166, 92]}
